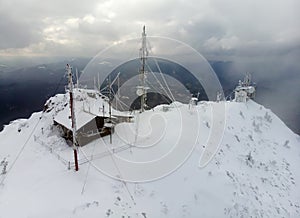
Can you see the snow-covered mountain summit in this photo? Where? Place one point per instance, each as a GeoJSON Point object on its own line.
{"type": "Point", "coordinates": [255, 172]}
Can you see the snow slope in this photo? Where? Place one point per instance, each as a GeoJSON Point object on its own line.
{"type": "Point", "coordinates": [255, 172]}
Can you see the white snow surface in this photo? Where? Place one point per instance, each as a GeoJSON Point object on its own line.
{"type": "Point", "coordinates": [255, 172]}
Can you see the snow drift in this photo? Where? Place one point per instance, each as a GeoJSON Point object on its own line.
{"type": "Point", "coordinates": [255, 172]}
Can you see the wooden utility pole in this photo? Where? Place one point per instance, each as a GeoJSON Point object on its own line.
{"type": "Point", "coordinates": [73, 120]}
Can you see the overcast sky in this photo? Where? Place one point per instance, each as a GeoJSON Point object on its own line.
{"type": "Point", "coordinates": [260, 36]}
{"type": "Point", "coordinates": [216, 28]}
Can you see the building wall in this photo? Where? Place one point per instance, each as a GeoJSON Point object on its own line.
{"type": "Point", "coordinates": [90, 131]}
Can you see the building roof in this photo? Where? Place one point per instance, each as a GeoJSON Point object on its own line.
{"type": "Point", "coordinates": [82, 118]}
{"type": "Point", "coordinates": [88, 105]}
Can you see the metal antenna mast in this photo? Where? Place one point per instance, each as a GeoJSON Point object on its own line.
{"type": "Point", "coordinates": [143, 57]}
{"type": "Point", "coordinates": [72, 108]}
{"type": "Point", "coordinates": [110, 135]}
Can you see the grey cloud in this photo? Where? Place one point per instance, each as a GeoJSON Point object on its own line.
{"type": "Point", "coordinates": [37, 10]}
{"type": "Point", "coordinates": [262, 37]}
{"type": "Point", "coordinates": [216, 28]}
{"type": "Point", "coordinates": [111, 31]}
{"type": "Point", "coordinates": [16, 33]}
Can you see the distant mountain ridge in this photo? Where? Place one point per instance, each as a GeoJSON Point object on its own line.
{"type": "Point", "coordinates": [40, 82]}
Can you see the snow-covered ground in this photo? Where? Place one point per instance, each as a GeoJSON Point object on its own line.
{"type": "Point", "coordinates": [255, 172]}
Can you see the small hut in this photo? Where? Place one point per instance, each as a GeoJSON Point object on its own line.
{"type": "Point", "coordinates": [93, 119]}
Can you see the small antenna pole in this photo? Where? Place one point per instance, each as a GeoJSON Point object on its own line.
{"type": "Point", "coordinates": [143, 56]}
{"type": "Point", "coordinates": [98, 81]}
{"type": "Point", "coordinates": [77, 79]}
{"type": "Point", "coordinates": [118, 91]}
{"type": "Point", "coordinates": [73, 120]}
{"type": "Point", "coordinates": [110, 136]}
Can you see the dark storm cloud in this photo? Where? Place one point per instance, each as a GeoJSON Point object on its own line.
{"type": "Point", "coordinates": [17, 33]}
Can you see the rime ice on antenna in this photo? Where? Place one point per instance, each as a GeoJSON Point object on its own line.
{"type": "Point", "coordinates": [245, 90]}
{"type": "Point", "coordinates": [142, 89]}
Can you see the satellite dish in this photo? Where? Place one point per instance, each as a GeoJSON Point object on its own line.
{"type": "Point", "coordinates": [251, 89]}
{"type": "Point", "coordinates": [139, 92]}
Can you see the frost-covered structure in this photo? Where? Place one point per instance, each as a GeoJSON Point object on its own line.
{"type": "Point", "coordinates": [245, 90]}
{"type": "Point", "coordinates": [92, 115]}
